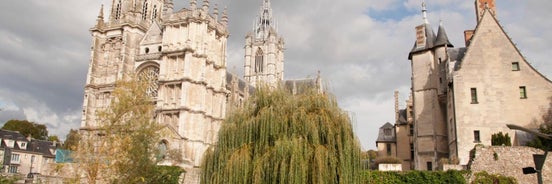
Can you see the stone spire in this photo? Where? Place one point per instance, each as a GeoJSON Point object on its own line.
{"type": "Point", "coordinates": [168, 7]}
{"type": "Point", "coordinates": [265, 21]}
{"type": "Point", "coordinates": [224, 19]}
{"type": "Point", "coordinates": [193, 4]}
{"type": "Point", "coordinates": [215, 12]}
{"type": "Point", "coordinates": [206, 5]}
{"type": "Point", "coordinates": [100, 19]}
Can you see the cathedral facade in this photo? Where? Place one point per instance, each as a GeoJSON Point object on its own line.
{"type": "Point", "coordinates": [461, 96]}
{"type": "Point", "coordinates": [183, 55]}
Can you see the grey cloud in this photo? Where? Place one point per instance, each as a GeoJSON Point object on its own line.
{"type": "Point", "coordinates": [45, 50]}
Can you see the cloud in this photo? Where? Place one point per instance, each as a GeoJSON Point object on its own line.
{"type": "Point", "coordinates": [360, 47]}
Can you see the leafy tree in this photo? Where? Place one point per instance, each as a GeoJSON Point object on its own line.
{"type": "Point", "coordinates": [283, 138]}
{"type": "Point", "coordinates": [545, 127]}
{"type": "Point", "coordinates": [121, 149]}
{"type": "Point", "coordinates": [27, 128]}
{"type": "Point", "coordinates": [53, 138]}
{"type": "Point", "coordinates": [71, 140]}
{"type": "Point", "coordinates": [501, 139]}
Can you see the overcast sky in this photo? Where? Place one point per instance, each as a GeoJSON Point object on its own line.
{"type": "Point", "coordinates": [359, 46]}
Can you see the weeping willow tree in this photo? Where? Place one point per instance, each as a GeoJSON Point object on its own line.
{"type": "Point", "coordinates": [283, 138]}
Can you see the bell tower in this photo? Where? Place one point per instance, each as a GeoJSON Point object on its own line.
{"type": "Point", "coordinates": [264, 50]}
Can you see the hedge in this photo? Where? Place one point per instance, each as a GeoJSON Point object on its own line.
{"type": "Point", "coordinates": [435, 177]}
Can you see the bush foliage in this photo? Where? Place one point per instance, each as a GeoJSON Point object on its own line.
{"type": "Point", "coordinates": [413, 177]}
{"type": "Point", "coordinates": [436, 177]}
{"type": "Point", "coordinates": [501, 139]}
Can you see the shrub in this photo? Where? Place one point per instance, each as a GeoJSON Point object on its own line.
{"type": "Point", "coordinates": [388, 160]}
{"type": "Point", "coordinates": [486, 178]}
{"type": "Point", "coordinates": [500, 139]}
{"type": "Point", "coordinates": [408, 177]}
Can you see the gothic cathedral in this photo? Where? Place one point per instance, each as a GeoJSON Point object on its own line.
{"type": "Point", "coordinates": [183, 54]}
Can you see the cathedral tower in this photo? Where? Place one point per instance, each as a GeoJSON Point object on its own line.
{"type": "Point", "coordinates": [428, 61]}
{"type": "Point", "coordinates": [114, 46]}
{"type": "Point", "coordinates": [264, 51]}
{"type": "Point", "coordinates": [182, 54]}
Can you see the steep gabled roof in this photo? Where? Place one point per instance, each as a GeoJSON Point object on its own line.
{"type": "Point", "coordinates": [153, 35]}
{"type": "Point", "coordinates": [489, 16]}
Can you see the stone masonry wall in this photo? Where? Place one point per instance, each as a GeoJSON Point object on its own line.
{"type": "Point", "coordinates": [509, 161]}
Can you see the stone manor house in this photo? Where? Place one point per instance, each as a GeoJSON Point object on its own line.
{"type": "Point", "coordinates": [460, 96]}
{"type": "Point", "coordinates": [183, 54]}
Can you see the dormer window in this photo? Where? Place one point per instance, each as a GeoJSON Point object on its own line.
{"type": "Point", "coordinates": [387, 132]}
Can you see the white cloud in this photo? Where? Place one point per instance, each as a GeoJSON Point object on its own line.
{"type": "Point", "coordinates": [46, 50]}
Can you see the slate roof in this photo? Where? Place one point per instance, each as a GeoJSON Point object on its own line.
{"type": "Point", "coordinates": [442, 38]}
{"type": "Point", "coordinates": [402, 117]}
{"type": "Point", "coordinates": [457, 55]}
{"type": "Point", "coordinates": [432, 41]}
{"type": "Point", "coordinates": [45, 148]}
{"type": "Point", "coordinates": [386, 138]}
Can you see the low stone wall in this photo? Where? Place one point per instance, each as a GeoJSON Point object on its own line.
{"type": "Point", "coordinates": [390, 167]}
{"type": "Point", "coordinates": [509, 161]}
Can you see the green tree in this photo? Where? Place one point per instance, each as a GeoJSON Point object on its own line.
{"type": "Point", "coordinates": [27, 128]}
{"type": "Point", "coordinates": [122, 149]}
{"type": "Point", "coordinates": [283, 138]}
{"type": "Point", "coordinates": [545, 127]}
{"type": "Point", "coordinates": [71, 140]}
{"type": "Point", "coordinates": [53, 138]}
{"type": "Point", "coordinates": [501, 139]}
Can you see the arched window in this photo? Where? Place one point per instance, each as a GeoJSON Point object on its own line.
{"type": "Point", "coordinates": [151, 75]}
{"type": "Point", "coordinates": [162, 150]}
{"type": "Point", "coordinates": [259, 61]}
{"type": "Point", "coordinates": [145, 10]}
{"type": "Point", "coordinates": [118, 10]}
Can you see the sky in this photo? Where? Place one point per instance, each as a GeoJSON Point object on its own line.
{"type": "Point", "coordinates": [359, 46]}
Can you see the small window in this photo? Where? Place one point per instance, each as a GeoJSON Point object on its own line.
{"type": "Point", "coordinates": [412, 151]}
{"type": "Point", "coordinates": [522, 92]}
{"type": "Point", "coordinates": [515, 66]}
{"type": "Point", "coordinates": [473, 95]}
{"type": "Point", "coordinates": [429, 166]}
{"type": "Point", "coordinates": [12, 169]}
{"type": "Point", "coordinates": [23, 144]}
{"type": "Point", "coordinates": [15, 158]}
{"type": "Point", "coordinates": [387, 132]}
{"type": "Point", "coordinates": [146, 50]}
{"type": "Point", "coordinates": [388, 147]}
{"type": "Point", "coordinates": [476, 137]}
{"type": "Point", "coordinates": [159, 48]}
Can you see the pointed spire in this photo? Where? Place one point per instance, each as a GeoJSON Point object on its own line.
{"type": "Point", "coordinates": [193, 4]}
{"type": "Point", "coordinates": [206, 5]}
{"type": "Point", "coordinates": [224, 19]}
{"type": "Point", "coordinates": [101, 14]}
{"type": "Point", "coordinates": [215, 12]}
{"type": "Point", "coordinates": [100, 19]}
{"type": "Point", "coordinates": [442, 38]}
{"type": "Point", "coordinates": [424, 12]}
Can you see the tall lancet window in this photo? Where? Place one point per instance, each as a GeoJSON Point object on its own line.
{"type": "Point", "coordinates": [154, 13]}
{"type": "Point", "coordinates": [259, 61]}
{"type": "Point", "coordinates": [118, 10]}
{"type": "Point", "coordinates": [145, 10]}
